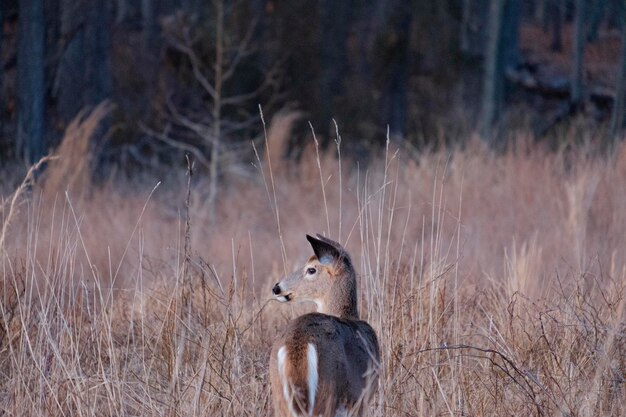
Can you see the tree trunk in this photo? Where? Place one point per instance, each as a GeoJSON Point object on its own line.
{"type": "Point", "coordinates": [149, 57]}
{"type": "Point", "coordinates": [578, 43]}
{"type": "Point", "coordinates": [395, 91]}
{"type": "Point", "coordinates": [595, 11]}
{"type": "Point", "coordinates": [546, 15]}
{"type": "Point", "coordinates": [120, 11]}
{"type": "Point", "coordinates": [97, 53]}
{"type": "Point", "coordinates": [30, 88]}
{"type": "Point", "coordinates": [258, 17]}
{"type": "Point", "coordinates": [556, 16]}
{"type": "Point", "coordinates": [70, 75]}
{"type": "Point", "coordinates": [474, 18]}
{"type": "Point", "coordinates": [510, 33]}
{"type": "Point", "coordinates": [1, 73]}
{"type": "Point", "coordinates": [149, 26]}
{"type": "Point", "coordinates": [333, 48]}
{"type": "Point", "coordinates": [466, 16]}
{"type": "Point", "coordinates": [615, 14]}
{"type": "Point", "coordinates": [493, 76]}
{"type": "Point", "coordinates": [539, 12]}
{"type": "Point", "coordinates": [618, 116]}
{"type": "Point", "coordinates": [216, 113]}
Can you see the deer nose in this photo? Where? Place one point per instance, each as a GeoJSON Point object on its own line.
{"type": "Point", "coordinates": [276, 289]}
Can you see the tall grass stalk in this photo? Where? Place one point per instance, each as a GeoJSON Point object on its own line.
{"type": "Point", "coordinates": [496, 284]}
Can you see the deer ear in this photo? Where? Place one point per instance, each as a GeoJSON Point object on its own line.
{"type": "Point", "coordinates": [325, 252]}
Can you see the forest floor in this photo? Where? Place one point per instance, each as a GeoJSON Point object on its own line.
{"type": "Point", "coordinates": [496, 283]}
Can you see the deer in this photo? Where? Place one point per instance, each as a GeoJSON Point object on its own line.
{"type": "Point", "coordinates": [326, 363]}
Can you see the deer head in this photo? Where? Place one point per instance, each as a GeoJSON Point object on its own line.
{"type": "Point", "coordinates": [327, 278]}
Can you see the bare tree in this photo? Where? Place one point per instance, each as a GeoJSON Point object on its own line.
{"type": "Point", "coordinates": [121, 8]}
{"type": "Point", "coordinates": [149, 26]}
{"type": "Point", "coordinates": [395, 74]}
{"type": "Point", "coordinates": [218, 85]}
{"type": "Point", "coordinates": [97, 54]}
{"type": "Point", "coordinates": [493, 77]}
{"type": "Point", "coordinates": [2, 13]}
{"type": "Point", "coordinates": [68, 83]}
{"type": "Point", "coordinates": [473, 19]}
{"type": "Point", "coordinates": [215, 123]}
{"type": "Point", "coordinates": [30, 89]}
{"type": "Point", "coordinates": [509, 44]}
{"type": "Point", "coordinates": [335, 20]}
{"type": "Point", "coordinates": [595, 10]}
{"type": "Point", "coordinates": [539, 11]}
{"type": "Point", "coordinates": [555, 13]}
{"type": "Point", "coordinates": [466, 19]}
{"type": "Point", "coordinates": [578, 43]}
{"type": "Point", "coordinates": [83, 75]}
{"type": "Point", "coordinates": [618, 115]}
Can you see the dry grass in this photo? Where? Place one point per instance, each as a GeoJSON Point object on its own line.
{"type": "Point", "coordinates": [496, 285]}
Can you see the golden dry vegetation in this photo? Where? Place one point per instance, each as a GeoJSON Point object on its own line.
{"type": "Point", "coordinates": [496, 283]}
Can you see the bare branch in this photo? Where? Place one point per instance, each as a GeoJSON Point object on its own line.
{"type": "Point", "coordinates": [163, 137]}
{"type": "Point", "coordinates": [200, 129]}
{"type": "Point", "coordinates": [243, 51]}
{"type": "Point", "coordinates": [240, 98]}
{"type": "Point", "coordinates": [196, 65]}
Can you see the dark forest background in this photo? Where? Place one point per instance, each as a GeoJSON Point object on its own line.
{"type": "Point", "coordinates": [191, 76]}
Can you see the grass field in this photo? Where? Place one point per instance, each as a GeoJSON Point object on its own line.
{"type": "Point", "coordinates": [496, 283]}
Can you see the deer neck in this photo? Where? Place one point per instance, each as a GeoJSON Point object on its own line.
{"type": "Point", "coordinates": [341, 300]}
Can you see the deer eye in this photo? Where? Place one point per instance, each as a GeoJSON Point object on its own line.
{"type": "Point", "coordinates": [311, 271]}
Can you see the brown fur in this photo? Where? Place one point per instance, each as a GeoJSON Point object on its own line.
{"type": "Point", "coordinates": [347, 348]}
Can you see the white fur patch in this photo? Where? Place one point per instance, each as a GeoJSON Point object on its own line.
{"type": "Point", "coordinates": [312, 376]}
{"type": "Point", "coordinates": [341, 412]}
{"type": "Point", "coordinates": [281, 357]}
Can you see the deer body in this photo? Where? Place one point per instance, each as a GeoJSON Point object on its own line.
{"type": "Point", "coordinates": [325, 363]}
